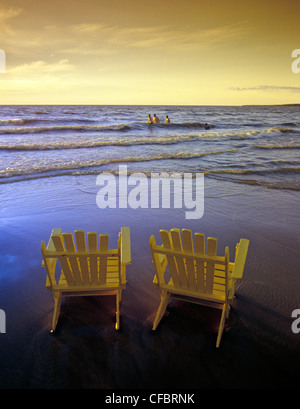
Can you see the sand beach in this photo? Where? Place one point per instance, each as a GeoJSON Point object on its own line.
{"type": "Point", "coordinates": [258, 348]}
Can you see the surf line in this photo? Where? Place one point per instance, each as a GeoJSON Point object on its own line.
{"type": "Point", "coordinates": [139, 191]}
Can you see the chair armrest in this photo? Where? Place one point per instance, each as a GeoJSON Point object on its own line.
{"type": "Point", "coordinates": [125, 245]}
{"type": "Point", "coordinates": [55, 232]}
{"type": "Point", "coordinates": [50, 246]}
{"type": "Point", "coordinates": [52, 261]}
{"type": "Point", "coordinates": [163, 262]}
{"type": "Point", "coordinates": [240, 259]}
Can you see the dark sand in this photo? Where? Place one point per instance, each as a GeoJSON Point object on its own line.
{"type": "Point", "coordinates": [258, 348]}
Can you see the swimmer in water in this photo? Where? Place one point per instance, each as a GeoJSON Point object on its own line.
{"type": "Point", "coordinates": [156, 119]}
{"type": "Point", "coordinates": [206, 126]}
{"type": "Point", "coordinates": [167, 119]}
{"type": "Point", "coordinates": [150, 120]}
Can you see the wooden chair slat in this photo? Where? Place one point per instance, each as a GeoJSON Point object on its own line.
{"type": "Point", "coordinates": [93, 247]}
{"type": "Point", "coordinates": [70, 247]}
{"type": "Point", "coordinates": [64, 260]}
{"type": "Point", "coordinates": [200, 268]}
{"type": "Point", "coordinates": [210, 265]}
{"type": "Point", "coordinates": [188, 246]}
{"type": "Point", "coordinates": [177, 245]}
{"type": "Point", "coordinates": [83, 262]}
{"type": "Point", "coordinates": [103, 259]}
{"type": "Point", "coordinates": [166, 240]}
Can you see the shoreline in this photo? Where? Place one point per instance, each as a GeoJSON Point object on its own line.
{"type": "Point", "coordinates": [258, 348]}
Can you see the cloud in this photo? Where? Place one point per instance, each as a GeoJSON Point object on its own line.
{"type": "Point", "coordinates": [267, 88]}
{"type": "Point", "coordinates": [173, 38]}
{"type": "Point", "coordinates": [88, 28]}
{"type": "Point", "coordinates": [91, 38]}
{"type": "Point", "coordinates": [5, 15]}
{"type": "Point", "coordinates": [42, 68]}
{"type": "Point", "coordinates": [38, 75]}
{"type": "Point", "coordinates": [81, 42]}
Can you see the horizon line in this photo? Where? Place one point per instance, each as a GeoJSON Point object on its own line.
{"type": "Point", "coordinates": [157, 105]}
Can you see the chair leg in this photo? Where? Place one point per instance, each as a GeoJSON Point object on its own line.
{"type": "Point", "coordinates": [228, 310]}
{"type": "Point", "coordinates": [57, 303]}
{"type": "Point", "coordinates": [118, 297]}
{"type": "Point", "coordinates": [222, 323]}
{"type": "Point", "coordinates": [161, 309]}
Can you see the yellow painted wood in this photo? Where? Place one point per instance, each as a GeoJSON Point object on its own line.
{"type": "Point", "coordinates": [221, 326]}
{"type": "Point", "coordinates": [226, 280]}
{"type": "Point", "coordinates": [103, 259]}
{"type": "Point", "coordinates": [74, 267]}
{"type": "Point", "coordinates": [165, 297]}
{"type": "Point", "coordinates": [83, 261]}
{"type": "Point", "coordinates": [49, 264]}
{"type": "Point", "coordinates": [196, 275]}
{"type": "Point", "coordinates": [85, 271]}
{"type": "Point", "coordinates": [125, 245]}
{"type": "Point", "coordinates": [166, 240]}
{"type": "Point", "coordinates": [210, 265]}
{"type": "Point", "coordinates": [50, 246]}
{"type": "Point", "coordinates": [177, 245]}
{"type": "Point", "coordinates": [93, 258]}
{"type": "Point", "coordinates": [240, 260]}
{"type": "Point", "coordinates": [164, 251]}
{"type": "Point", "coordinates": [158, 267]}
{"type": "Point", "coordinates": [190, 263]}
{"type": "Point", "coordinates": [64, 261]}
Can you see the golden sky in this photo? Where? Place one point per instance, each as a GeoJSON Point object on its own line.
{"type": "Point", "coordinates": [189, 52]}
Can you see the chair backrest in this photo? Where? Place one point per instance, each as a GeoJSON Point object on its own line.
{"type": "Point", "coordinates": [191, 269]}
{"type": "Point", "coordinates": [86, 265]}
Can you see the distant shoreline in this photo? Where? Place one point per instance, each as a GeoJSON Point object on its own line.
{"type": "Point", "coordinates": [155, 105]}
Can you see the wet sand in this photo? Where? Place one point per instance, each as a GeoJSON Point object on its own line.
{"type": "Point", "coordinates": [258, 348]}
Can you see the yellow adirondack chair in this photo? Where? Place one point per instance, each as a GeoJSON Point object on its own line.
{"type": "Point", "coordinates": [188, 273]}
{"type": "Point", "coordinates": [85, 271]}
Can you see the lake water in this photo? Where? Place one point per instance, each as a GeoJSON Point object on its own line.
{"type": "Point", "coordinates": [258, 145]}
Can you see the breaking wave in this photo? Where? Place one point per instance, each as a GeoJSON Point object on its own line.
{"type": "Point", "coordinates": [41, 129]}
{"type": "Point", "coordinates": [131, 141]}
{"type": "Point", "coordinates": [36, 169]}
